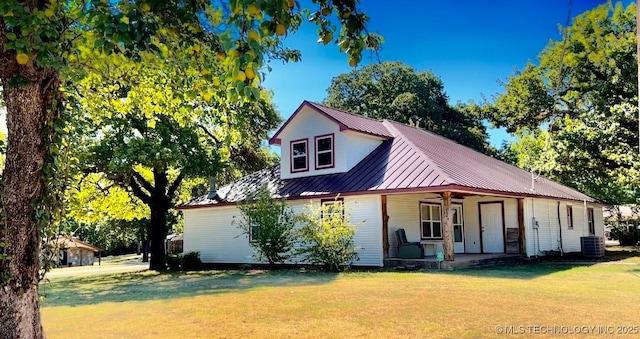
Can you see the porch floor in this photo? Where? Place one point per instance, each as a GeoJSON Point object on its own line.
{"type": "Point", "coordinates": [462, 260]}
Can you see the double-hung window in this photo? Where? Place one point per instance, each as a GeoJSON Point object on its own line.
{"type": "Point", "coordinates": [324, 151]}
{"type": "Point", "coordinates": [431, 221]}
{"type": "Point", "coordinates": [590, 221]}
{"type": "Point", "coordinates": [332, 207]}
{"type": "Point", "coordinates": [299, 159]}
{"type": "Point", "coordinates": [254, 231]}
{"type": "Point", "coordinates": [569, 217]}
{"type": "Point", "coordinates": [457, 223]}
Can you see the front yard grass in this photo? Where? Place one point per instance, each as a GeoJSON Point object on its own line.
{"type": "Point", "coordinates": [458, 304]}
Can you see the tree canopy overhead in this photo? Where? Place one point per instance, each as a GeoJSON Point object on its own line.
{"type": "Point", "coordinates": [158, 120]}
{"type": "Point", "coordinates": [395, 91]}
{"type": "Point", "coordinates": [38, 39]}
{"type": "Point", "coordinates": [584, 92]}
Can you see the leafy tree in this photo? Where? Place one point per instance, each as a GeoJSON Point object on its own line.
{"type": "Point", "coordinates": [585, 90]}
{"type": "Point", "coordinates": [158, 124]}
{"type": "Point", "coordinates": [104, 214]}
{"type": "Point", "coordinates": [108, 234]}
{"type": "Point", "coordinates": [395, 91]}
{"type": "Point", "coordinates": [623, 228]}
{"type": "Point", "coordinates": [269, 224]}
{"type": "Point", "coordinates": [37, 40]}
{"type": "Point", "coordinates": [327, 237]}
{"type": "Point", "coordinates": [528, 151]}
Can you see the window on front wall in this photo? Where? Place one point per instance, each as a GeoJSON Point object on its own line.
{"type": "Point", "coordinates": [590, 222]}
{"type": "Point", "coordinates": [569, 217]}
{"type": "Point", "coordinates": [431, 221]}
{"type": "Point", "coordinates": [324, 151]}
{"type": "Point", "coordinates": [332, 207]}
{"type": "Point", "coordinates": [299, 162]}
{"type": "Point", "coordinates": [254, 232]}
{"type": "Point", "coordinates": [457, 223]}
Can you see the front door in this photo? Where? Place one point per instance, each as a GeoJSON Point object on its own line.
{"type": "Point", "coordinates": [492, 227]}
{"type": "Point", "coordinates": [458, 229]}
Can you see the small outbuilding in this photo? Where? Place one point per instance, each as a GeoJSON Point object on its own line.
{"type": "Point", "coordinates": [73, 252]}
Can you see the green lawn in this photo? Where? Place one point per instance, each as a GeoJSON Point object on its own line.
{"type": "Point", "coordinates": [458, 304]}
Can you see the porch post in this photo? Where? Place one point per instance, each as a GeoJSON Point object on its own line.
{"type": "Point", "coordinates": [385, 227]}
{"type": "Point", "coordinates": [521, 226]}
{"type": "Point", "coordinates": [447, 227]}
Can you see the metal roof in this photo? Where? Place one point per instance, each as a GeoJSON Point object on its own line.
{"type": "Point", "coordinates": [469, 168]}
{"type": "Point", "coordinates": [411, 160]}
{"type": "Point", "coordinates": [353, 122]}
{"type": "Point", "coordinates": [71, 242]}
{"type": "Point", "coordinates": [345, 121]}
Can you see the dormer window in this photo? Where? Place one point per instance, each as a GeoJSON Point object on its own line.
{"type": "Point", "coordinates": [324, 151]}
{"type": "Point", "coordinates": [299, 160]}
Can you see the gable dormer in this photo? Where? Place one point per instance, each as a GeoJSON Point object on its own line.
{"type": "Point", "coordinates": [319, 140]}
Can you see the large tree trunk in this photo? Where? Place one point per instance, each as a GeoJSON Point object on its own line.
{"type": "Point", "coordinates": [22, 188]}
{"type": "Point", "coordinates": [158, 197]}
{"type": "Point", "coordinates": [158, 233]}
{"type": "Point", "coordinates": [145, 250]}
{"type": "Point", "coordinates": [159, 206]}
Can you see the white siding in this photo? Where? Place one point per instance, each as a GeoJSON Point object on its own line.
{"type": "Point", "coordinates": [599, 220]}
{"type": "Point", "coordinates": [350, 147]}
{"type": "Point", "coordinates": [547, 237]}
{"type": "Point", "coordinates": [571, 237]}
{"type": "Point", "coordinates": [211, 232]}
{"type": "Point", "coordinates": [366, 215]}
{"type": "Point", "coordinates": [357, 147]}
{"type": "Point", "coordinates": [529, 240]}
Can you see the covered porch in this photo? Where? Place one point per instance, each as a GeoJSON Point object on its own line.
{"type": "Point", "coordinates": [461, 226]}
{"type": "Point", "coordinates": [464, 260]}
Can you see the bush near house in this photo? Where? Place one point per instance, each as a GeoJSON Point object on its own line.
{"type": "Point", "coordinates": [627, 234]}
{"type": "Point", "coordinates": [185, 262]}
{"type": "Point", "coordinates": [269, 224]}
{"type": "Point", "coordinates": [327, 237]}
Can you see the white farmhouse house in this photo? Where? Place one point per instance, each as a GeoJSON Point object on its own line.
{"type": "Point", "coordinates": [393, 176]}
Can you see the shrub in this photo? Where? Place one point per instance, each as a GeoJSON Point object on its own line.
{"type": "Point", "coordinates": [628, 235]}
{"type": "Point", "coordinates": [187, 261]}
{"type": "Point", "coordinates": [191, 261]}
{"type": "Point", "coordinates": [174, 262]}
{"type": "Point", "coordinates": [327, 237]}
{"type": "Point", "coordinates": [269, 224]}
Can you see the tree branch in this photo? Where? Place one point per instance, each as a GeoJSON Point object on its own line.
{"type": "Point", "coordinates": [138, 192]}
{"type": "Point", "coordinates": [142, 182]}
{"type": "Point", "coordinates": [174, 186]}
{"type": "Point", "coordinates": [217, 142]}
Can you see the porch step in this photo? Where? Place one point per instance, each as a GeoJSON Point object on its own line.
{"type": "Point", "coordinates": [460, 262]}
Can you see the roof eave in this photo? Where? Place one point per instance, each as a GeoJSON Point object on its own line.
{"type": "Point", "coordinates": [276, 140]}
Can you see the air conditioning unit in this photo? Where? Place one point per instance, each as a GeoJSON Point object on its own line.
{"type": "Point", "coordinates": [592, 247]}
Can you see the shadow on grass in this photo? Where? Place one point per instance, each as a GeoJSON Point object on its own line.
{"type": "Point", "coordinates": [551, 265]}
{"type": "Point", "coordinates": [524, 271]}
{"type": "Point", "coordinates": [152, 285]}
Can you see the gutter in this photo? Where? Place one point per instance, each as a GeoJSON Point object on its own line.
{"type": "Point", "coordinates": [560, 247]}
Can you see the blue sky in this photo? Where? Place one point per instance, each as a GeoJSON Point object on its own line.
{"type": "Point", "coordinates": [471, 45]}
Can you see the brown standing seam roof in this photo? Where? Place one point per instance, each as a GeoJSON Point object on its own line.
{"type": "Point", "coordinates": [411, 160]}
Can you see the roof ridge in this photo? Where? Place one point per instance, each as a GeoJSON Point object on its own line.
{"type": "Point", "coordinates": [397, 134]}
{"type": "Point", "coordinates": [345, 112]}
{"type": "Point", "coordinates": [504, 163]}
